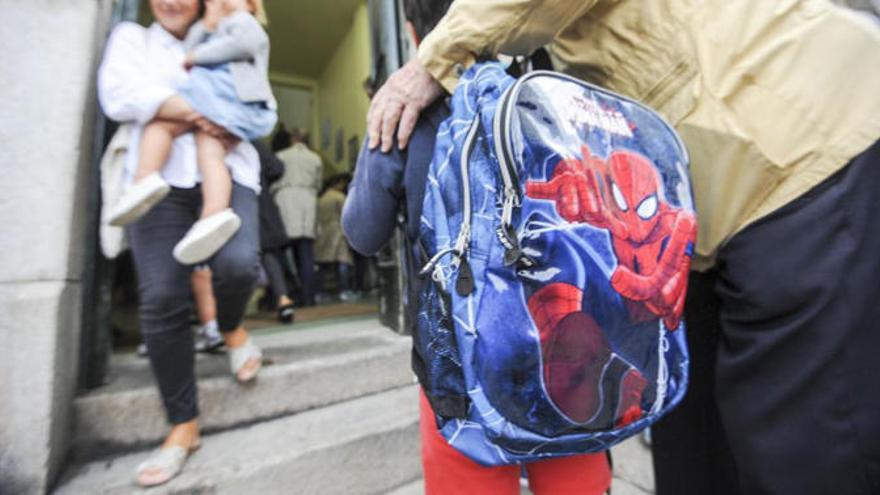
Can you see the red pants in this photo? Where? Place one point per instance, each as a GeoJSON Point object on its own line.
{"type": "Point", "coordinates": [448, 472]}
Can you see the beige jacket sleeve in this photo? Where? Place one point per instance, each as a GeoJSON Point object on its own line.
{"type": "Point", "coordinates": [489, 27]}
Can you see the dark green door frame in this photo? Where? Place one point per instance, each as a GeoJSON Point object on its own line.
{"type": "Point", "coordinates": [95, 337]}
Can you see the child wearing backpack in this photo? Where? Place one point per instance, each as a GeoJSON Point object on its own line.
{"type": "Point", "coordinates": [228, 56]}
{"type": "Point", "coordinates": [383, 185]}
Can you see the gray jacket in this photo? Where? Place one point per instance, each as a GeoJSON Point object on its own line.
{"type": "Point", "coordinates": [241, 41]}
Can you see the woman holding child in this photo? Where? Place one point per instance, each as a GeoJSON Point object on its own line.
{"type": "Point", "coordinates": [193, 186]}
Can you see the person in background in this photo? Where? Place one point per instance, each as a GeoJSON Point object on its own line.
{"type": "Point", "coordinates": [273, 239]}
{"type": "Point", "coordinates": [281, 138]}
{"type": "Point", "coordinates": [137, 82]}
{"type": "Point", "coordinates": [207, 333]}
{"type": "Point", "coordinates": [361, 283]}
{"type": "Point", "coordinates": [296, 194]}
{"type": "Point", "coordinates": [385, 183]}
{"type": "Point", "coordinates": [778, 105]}
{"type": "Point", "coordinates": [331, 249]}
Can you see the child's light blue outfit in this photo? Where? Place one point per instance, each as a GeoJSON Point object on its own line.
{"type": "Point", "coordinates": [229, 83]}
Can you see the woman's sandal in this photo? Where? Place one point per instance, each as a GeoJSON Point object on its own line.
{"type": "Point", "coordinates": [167, 462]}
{"type": "Point", "coordinates": [240, 356]}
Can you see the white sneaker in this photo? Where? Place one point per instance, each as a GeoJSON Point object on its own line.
{"type": "Point", "coordinates": [138, 199]}
{"type": "Point", "coordinates": [208, 338]}
{"type": "Point", "coordinates": [206, 237]}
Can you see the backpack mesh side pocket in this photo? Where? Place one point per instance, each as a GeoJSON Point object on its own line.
{"type": "Point", "coordinates": [436, 353]}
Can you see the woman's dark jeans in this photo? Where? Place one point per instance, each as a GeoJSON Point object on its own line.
{"type": "Point", "coordinates": [165, 291]}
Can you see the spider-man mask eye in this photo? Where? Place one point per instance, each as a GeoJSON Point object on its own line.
{"type": "Point", "coordinates": [648, 207]}
{"type": "Point", "coordinates": [618, 197]}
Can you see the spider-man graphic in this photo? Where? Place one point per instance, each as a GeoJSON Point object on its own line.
{"type": "Point", "coordinates": [651, 240]}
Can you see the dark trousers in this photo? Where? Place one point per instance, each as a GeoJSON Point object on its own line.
{"type": "Point", "coordinates": [691, 452]}
{"type": "Point", "coordinates": [343, 276]}
{"type": "Point", "coordinates": [273, 264]}
{"type": "Point", "coordinates": [304, 257]}
{"type": "Point", "coordinates": [361, 265]}
{"type": "Point", "coordinates": [795, 303]}
{"type": "Point", "coordinates": [165, 291]}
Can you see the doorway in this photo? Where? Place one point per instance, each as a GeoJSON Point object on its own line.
{"type": "Point", "coordinates": [323, 54]}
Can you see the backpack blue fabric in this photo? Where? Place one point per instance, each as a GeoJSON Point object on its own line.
{"type": "Point", "coordinates": [555, 243]}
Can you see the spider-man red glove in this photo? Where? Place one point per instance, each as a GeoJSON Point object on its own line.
{"type": "Point", "coordinates": [573, 187]}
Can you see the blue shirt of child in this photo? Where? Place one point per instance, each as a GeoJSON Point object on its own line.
{"type": "Point", "coordinates": [384, 181]}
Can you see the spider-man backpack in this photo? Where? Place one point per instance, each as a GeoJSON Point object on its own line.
{"type": "Point", "coordinates": [555, 243]}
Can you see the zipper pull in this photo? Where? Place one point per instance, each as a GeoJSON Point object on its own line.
{"type": "Point", "coordinates": [429, 266]}
{"type": "Point", "coordinates": [507, 238]}
{"type": "Point", "coordinates": [464, 285]}
{"type": "Point", "coordinates": [512, 256]}
{"type": "Point", "coordinates": [525, 261]}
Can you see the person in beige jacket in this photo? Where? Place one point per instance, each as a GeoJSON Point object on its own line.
{"type": "Point", "coordinates": [778, 102]}
{"type": "Point", "coordinates": [331, 247]}
{"type": "Point", "coordinates": [296, 194]}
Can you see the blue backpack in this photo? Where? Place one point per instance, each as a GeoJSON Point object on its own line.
{"type": "Point", "coordinates": [555, 243]}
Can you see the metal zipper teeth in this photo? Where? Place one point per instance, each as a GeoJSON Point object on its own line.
{"type": "Point", "coordinates": [463, 240]}
{"type": "Point", "coordinates": [502, 153]}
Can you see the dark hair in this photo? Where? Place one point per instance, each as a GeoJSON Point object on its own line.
{"type": "Point", "coordinates": [425, 14]}
{"type": "Point", "coordinates": [301, 135]}
{"type": "Point", "coordinates": [335, 180]}
{"type": "Point", "coordinates": [281, 140]}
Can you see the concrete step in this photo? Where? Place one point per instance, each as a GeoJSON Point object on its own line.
{"type": "Point", "coordinates": [305, 369]}
{"type": "Point", "coordinates": [633, 468]}
{"type": "Point", "coordinates": [364, 446]}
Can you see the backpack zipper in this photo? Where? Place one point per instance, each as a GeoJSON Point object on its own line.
{"type": "Point", "coordinates": [511, 195]}
{"type": "Point", "coordinates": [503, 153]}
{"type": "Point", "coordinates": [463, 239]}
{"type": "Point", "coordinates": [464, 284]}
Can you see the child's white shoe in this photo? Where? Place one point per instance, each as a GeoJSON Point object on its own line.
{"type": "Point", "coordinates": [138, 199]}
{"type": "Point", "coordinates": [206, 237]}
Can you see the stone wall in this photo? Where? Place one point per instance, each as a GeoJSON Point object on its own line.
{"type": "Point", "coordinates": [47, 112]}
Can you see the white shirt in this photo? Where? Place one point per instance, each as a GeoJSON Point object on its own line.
{"type": "Point", "coordinates": [140, 70]}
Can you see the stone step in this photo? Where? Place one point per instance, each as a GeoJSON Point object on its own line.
{"type": "Point", "coordinates": [364, 446]}
{"type": "Point", "coordinates": [305, 369]}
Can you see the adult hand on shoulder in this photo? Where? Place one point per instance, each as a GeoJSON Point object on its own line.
{"type": "Point", "coordinates": [398, 103]}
